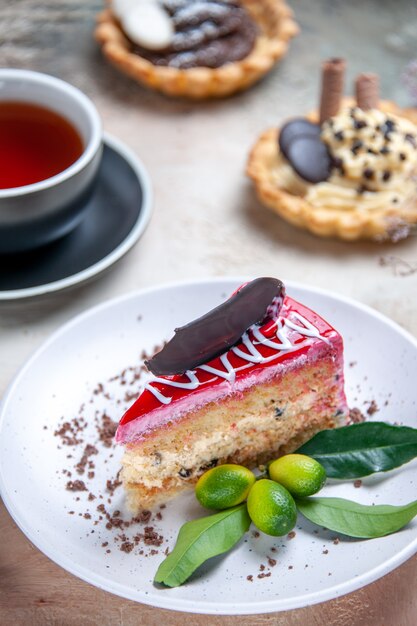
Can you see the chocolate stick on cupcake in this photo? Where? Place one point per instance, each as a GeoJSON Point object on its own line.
{"type": "Point", "coordinates": [367, 91]}
{"type": "Point", "coordinates": [347, 171]}
{"type": "Point", "coordinates": [332, 87]}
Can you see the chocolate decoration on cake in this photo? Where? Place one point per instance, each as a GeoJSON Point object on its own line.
{"type": "Point", "coordinates": [295, 128]}
{"type": "Point", "coordinates": [367, 91]}
{"type": "Point", "coordinates": [221, 328]}
{"type": "Point", "coordinates": [332, 84]}
{"type": "Point", "coordinates": [310, 158]}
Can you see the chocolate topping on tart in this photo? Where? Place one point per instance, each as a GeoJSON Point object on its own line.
{"type": "Point", "coordinates": [221, 328]}
{"type": "Point", "coordinates": [295, 128]}
{"type": "Point", "coordinates": [300, 143]}
{"type": "Point", "coordinates": [310, 158]}
{"type": "Point", "coordinates": [208, 33]}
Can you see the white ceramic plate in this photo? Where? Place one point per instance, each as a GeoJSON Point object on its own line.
{"type": "Point", "coordinates": [97, 345]}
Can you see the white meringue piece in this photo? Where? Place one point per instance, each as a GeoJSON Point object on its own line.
{"type": "Point", "coordinates": [122, 7]}
{"type": "Point", "coordinates": [146, 23]}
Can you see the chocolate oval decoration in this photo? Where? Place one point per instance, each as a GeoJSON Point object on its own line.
{"type": "Point", "coordinates": [295, 128]}
{"type": "Point", "coordinates": [310, 159]}
{"type": "Point", "coordinates": [221, 328]}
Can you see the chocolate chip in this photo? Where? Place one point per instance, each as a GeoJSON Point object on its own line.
{"type": "Point", "coordinates": [387, 128]}
{"type": "Point", "coordinates": [157, 458]}
{"type": "Point", "coordinates": [402, 156]}
{"type": "Point", "coordinates": [185, 473]}
{"type": "Point", "coordinates": [361, 189]}
{"type": "Point", "coordinates": [385, 150]}
{"type": "Point", "coordinates": [411, 139]}
{"type": "Point", "coordinates": [337, 163]}
{"type": "Point", "coordinates": [358, 124]}
{"type": "Point", "coordinates": [298, 127]}
{"type": "Point", "coordinates": [209, 465]}
{"type": "Point", "coordinates": [368, 173]}
{"type": "Point", "coordinates": [310, 159]}
{"type": "Point", "coordinates": [386, 176]}
{"type": "Point", "coordinates": [339, 135]}
{"type": "Point", "coordinates": [356, 146]}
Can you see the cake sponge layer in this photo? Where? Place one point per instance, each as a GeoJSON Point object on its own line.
{"type": "Point", "coordinates": [250, 428]}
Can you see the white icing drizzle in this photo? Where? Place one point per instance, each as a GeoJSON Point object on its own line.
{"type": "Point", "coordinates": [229, 374]}
{"type": "Point", "coordinates": [193, 384]}
{"type": "Point", "coordinates": [254, 355]}
{"type": "Point", "coordinates": [284, 344]}
{"type": "Point", "coordinates": [307, 329]}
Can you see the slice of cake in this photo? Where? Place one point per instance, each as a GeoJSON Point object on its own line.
{"type": "Point", "coordinates": [245, 393]}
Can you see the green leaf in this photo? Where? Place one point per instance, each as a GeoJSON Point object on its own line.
{"type": "Point", "coordinates": [362, 449]}
{"type": "Point", "coordinates": [201, 539]}
{"type": "Point", "coordinates": [357, 520]}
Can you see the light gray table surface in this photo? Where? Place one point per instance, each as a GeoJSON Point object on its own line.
{"type": "Point", "coordinates": [207, 221]}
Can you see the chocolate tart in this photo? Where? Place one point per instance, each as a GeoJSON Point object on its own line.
{"type": "Point", "coordinates": [385, 223]}
{"type": "Point", "coordinates": [275, 27]}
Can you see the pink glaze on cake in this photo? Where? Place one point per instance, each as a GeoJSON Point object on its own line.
{"type": "Point", "coordinates": [296, 337]}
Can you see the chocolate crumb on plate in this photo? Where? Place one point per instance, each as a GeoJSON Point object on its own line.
{"type": "Point", "coordinates": [127, 546]}
{"type": "Point", "coordinates": [107, 430]}
{"type": "Point", "coordinates": [356, 416]}
{"type": "Point", "coordinates": [89, 450]}
{"type": "Point", "coordinates": [76, 485]}
{"type": "Point", "coordinates": [112, 485]}
{"type": "Point", "coordinates": [372, 408]}
{"type": "Point", "coordinates": [92, 431]}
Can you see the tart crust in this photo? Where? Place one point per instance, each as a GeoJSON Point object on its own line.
{"type": "Point", "coordinates": [387, 223]}
{"type": "Point", "coordinates": [276, 24]}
